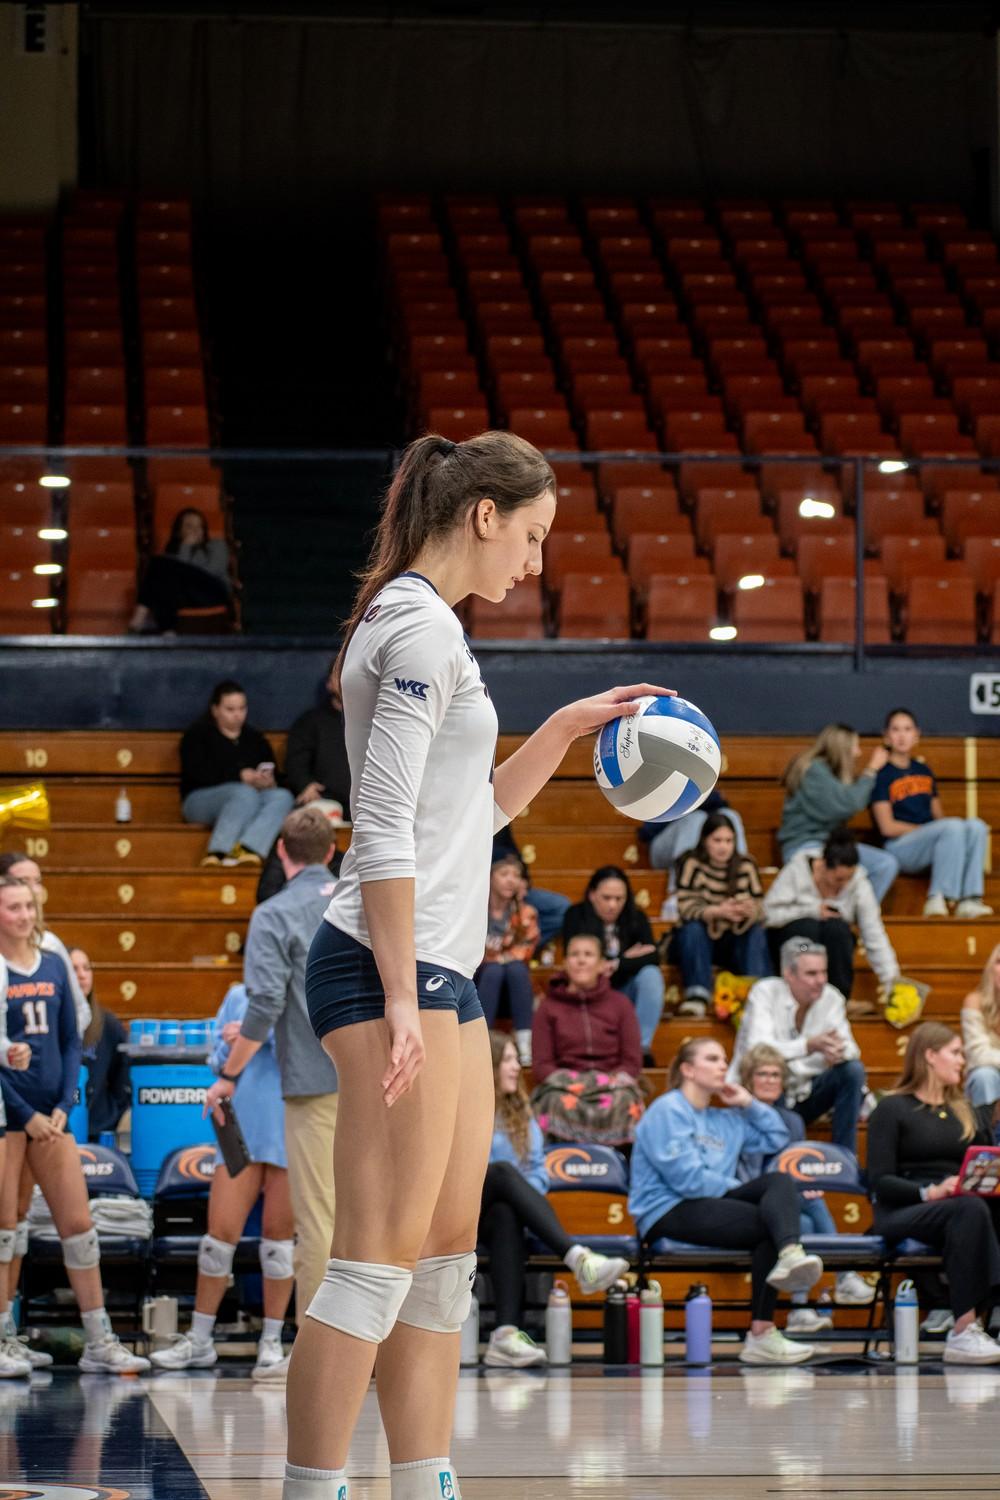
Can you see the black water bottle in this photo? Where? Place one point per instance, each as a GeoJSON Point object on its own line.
{"type": "Point", "coordinates": [616, 1326]}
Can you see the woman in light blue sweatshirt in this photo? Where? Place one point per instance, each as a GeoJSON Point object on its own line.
{"type": "Point", "coordinates": [685, 1186]}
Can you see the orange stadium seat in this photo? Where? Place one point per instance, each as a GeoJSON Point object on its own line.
{"type": "Point", "coordinates": [576, 508]}
{"type": "Point", "coordinates": [101, 385]}
{"type": "Point", "coordinates": [546, 426]}
{"type": "Point", "coordinates": [100, 602]}
{"type": "Point", "coordinates": [681, 607]}
{"type": "Point", "coordinates": [577, 552]}
{"type": "Point", "coordinates": [968, 513]}
{"type": "Point", "coordinates": [174, 385]}
{"type": "Point", "coordinates": [92, 503]}
{"type": "Point", "coordinates": [837, 604]}
{"type": "Point", "coordinates": [177, 427]}
{"type": "Point", "coordinates": [773, 613]}
{"type": "Point", "coordinates": [595, 604]}
{"type": "Point", "coordinates": [905, 557]}
{"type": "Point", "coordinates": [895, 513]}
{"type": "Point", "coordinates": [23, 422]}
{"type": "Point", "coordinates": [102, 548]}
{"type": "Point", "coordinates": [736, 556]}
{"type": "Point", "coordinates": [721, 510]}
{"type": "Point", "coordinates": [645, 508]}
{"type": "Point", "coordinates": [19, 587]}
{"type": "Point", "coordinates": [941, 611]}
{"type": "Point", "coordinates": [822, 557]}
{"type": "Point", "coordinates": [652, 552]}
{"type": "Point", "coordinates": [518, 617]}
{"type": "Point", "coordinates": [981, 555]}
{"type": "Point", "coordinates": [617, 429]}
{"type": "Point", "coordinates": [95, 424]}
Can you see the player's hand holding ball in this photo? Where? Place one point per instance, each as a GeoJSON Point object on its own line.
{"type": "Point", "coordinates": [589, 714]}
{"type": "Point", "coordinates": [660, 759]}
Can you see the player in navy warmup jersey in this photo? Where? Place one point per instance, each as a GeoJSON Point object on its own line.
{"type": "Point", "coordinates": [40, 1012]}
{"type": "Point", "coordinates": [389, 982]}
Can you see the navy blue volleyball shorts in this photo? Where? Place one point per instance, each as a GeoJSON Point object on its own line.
{"type": "Point", "coordinates": [343, 984]}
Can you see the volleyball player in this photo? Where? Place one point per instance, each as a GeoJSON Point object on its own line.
{"type": "Point", "coordinates": [41, 1013]}
{"type": "Point", "coordinates": [389, 978]}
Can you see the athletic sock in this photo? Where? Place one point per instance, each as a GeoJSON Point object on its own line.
{"type": "Point", "coordinates": [202, 1327]}
{"type": "Point", "coordinates": [315, 1484]}
{"type": "Point", "coordinates": [96, 1325]}
{"type": "Point", "coordinates": [574, 1255]}
{"type": "Point", "coordinates": [272, 1329]}
{"type": "Point", "coordinates": [522, 1040]}
{"type": "Point", "coordinates": [426, 1479]}
{"type": "Point", "coordinates": [8, 1328]}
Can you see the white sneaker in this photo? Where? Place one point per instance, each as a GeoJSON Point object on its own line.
{"type": "Point", "coordinates": [852, 1290]}
{"type": "Point", "coordinates": [37, 1358]}
{"type": "Point", "coordinates": [185, 1353]}
{"type": "Point", "coordinates": [693, 1004]}
{"type": "Point", "coordinates": [109, 1354]}
{"type": "Point", "coordinates": [935, 906]}
{"type": "Point", "coordinates": [13, 1359]}
{"type": "Point", "coordinates": [794, 1270]}
{"type": "Point", "coordinates": [272, 1361]}
{"type": "Point", "coordinates": [808, 1320]}
{"type": "Point", "coordinates": [772, 1348]}
{"type": "Point", "coordinates": [973, 907]}
{"type": "Point", "coordinates": [596, 1273]}
{"type": "Point", "coordinates": [940, 1320]}
{"type": "Point", "coordinates": [973, 1346]}
{"type": "Point", "coordinates": [511, 1346]}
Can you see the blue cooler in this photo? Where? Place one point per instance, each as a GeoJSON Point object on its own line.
{"type": "Point", "coordinates": [167, 1101]}
{"type": "Point", "coordinates": [79, 1115]}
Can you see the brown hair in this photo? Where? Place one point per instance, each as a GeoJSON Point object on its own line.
{"type": "Point", "coordinates": [686, 1053]}
{"type": "Point", "coordinates": [989, 993]}
{"type": "Point", "coordinates": [760, 1056]}
{"type": "Point", "coordinates": [307, 835]}
{"type": "Point", "coordinates": [931, 1036]}
{"type": "Point", "coordinates": [835, 745]}
{"type": "Point", "coordinates": [14, 882]}
{"type": "Point", "coordinates": [437, 485]}
{"type": "Point", "coordinates": [513, 1111]}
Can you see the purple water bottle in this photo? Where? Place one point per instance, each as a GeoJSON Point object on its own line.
{"type": "Point", "coordinates": [698, 1326]}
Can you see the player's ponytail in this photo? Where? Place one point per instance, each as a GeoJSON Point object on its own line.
{"type": "Point", "coordinates": [434, 490]}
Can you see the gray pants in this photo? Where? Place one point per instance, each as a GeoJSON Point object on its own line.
{"type": "Point", "coordinates": [239, 814]}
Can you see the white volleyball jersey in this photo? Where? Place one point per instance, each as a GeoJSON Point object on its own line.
{"type": "Point", "coordinates": [421, 739]}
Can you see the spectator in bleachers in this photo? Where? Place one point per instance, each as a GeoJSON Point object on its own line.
{"type": "Point", "coordinates": [228, 780]}
{"type": "Point", "coordinates": [587, 1054]}
{"type": "Point", "coordinates": [274, 971]}
{"type": "Point", "coordinates": [981, 1035]}
{"type": "Point", "coordinates": [822, 790]}
{"type": "Point", "coordinates": [40, 1012]}
{"type": "Point", "coordinates": [764, 1072]}
{"type": "Point", "coordinates": [192, 572]}
{"type": "Point", "coordinates": [909, 816]}
{"type": "Point", "coordinates": [22, 868]}
{"type": "Point", "coordinates": [720, 914]}
{"type": "Point", "coordinates": [514, 1202]}
{"type": "Point", "coordinates": [609, 910]}
{"type": "Point", "coordinates": [805, 1019]}
{"type": "Point", "coordinates": [917, 1139]}
{"type": "Point", "coordinates": [109, 1086]}
{"type": "Point", "coordinates": [669, 841]}
{"type": "Point", "coordinates": [257, 1105]}
{"type": "Point", "coordinates": [550, 906]}
{"type": "Point", "coordinates": [685, 1187]}
{"type": "Point", "coordinates": [511, 935]}
{"type": "Point", "coordinates": [824, 897]}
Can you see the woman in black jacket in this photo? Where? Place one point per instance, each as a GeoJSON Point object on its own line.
{"type": "Point", "coordinates": [109, 1087]}
{"type": "Point", "coordinates": [608, 910]}
{"type": "Point", "coordinates": [917, 1139]}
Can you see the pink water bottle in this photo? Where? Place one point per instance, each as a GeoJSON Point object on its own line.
{"type": "Point", "coordinates": [632, 1311]}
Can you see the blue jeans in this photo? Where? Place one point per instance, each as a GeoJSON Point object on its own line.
{"type": "Point", "coordinates": [239, 814]}
{"type": "Point", "coordinates": [955, 850]}
{"type": "Point", "coordinates": [551, 908]}
{"type": "Point", "coordinates": [983, 1085]}
{"type": "Point", "coordinates": [880, 866]}
{"type": "Point", "coordinates": [493, 981]}
{"type": "Point", "coordinates": [695, 952]}
{"type": "Point", "coordinates": [646, 991]}
{"type": "Point", "coordinates": [840, 1089]}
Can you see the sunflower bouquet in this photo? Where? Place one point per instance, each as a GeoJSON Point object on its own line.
{"type": "Point", "coordinates": [904, 1002]}
{"type": "Point", "coordinates": [729, 997]}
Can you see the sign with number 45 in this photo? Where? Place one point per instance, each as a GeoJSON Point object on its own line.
{"type": "Point", "coordinates": [984, 693]}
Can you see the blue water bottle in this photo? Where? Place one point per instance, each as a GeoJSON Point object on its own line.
{"type": "Point", "coordinates": [698, 1326]}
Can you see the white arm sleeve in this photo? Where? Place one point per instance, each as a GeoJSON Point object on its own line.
{"type": "Point", "coordinates": [416, 662]}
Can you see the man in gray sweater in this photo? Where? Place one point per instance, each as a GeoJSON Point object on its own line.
{"type": "Point", "coordinates": [281, 931]}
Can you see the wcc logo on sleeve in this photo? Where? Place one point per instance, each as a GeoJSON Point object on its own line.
{"type": "Point", "coordinates": [411, 689]}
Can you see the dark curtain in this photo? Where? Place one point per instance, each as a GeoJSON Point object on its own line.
{"type": "Point", "coordinates": [291, 111]}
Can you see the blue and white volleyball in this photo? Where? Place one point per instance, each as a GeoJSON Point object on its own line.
{"type": "Point", "coordinates": [660, 763]}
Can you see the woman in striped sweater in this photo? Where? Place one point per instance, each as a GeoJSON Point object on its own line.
{"type": "Point", "coordinates": [719, 901]}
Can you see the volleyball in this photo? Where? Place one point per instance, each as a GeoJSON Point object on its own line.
{"type": "Point", "coordinates": [660, 763]}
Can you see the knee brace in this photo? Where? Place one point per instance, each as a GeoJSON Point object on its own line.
{"type": "Point", "coordinates": [21, 1238]}
{"type": "Point", "coordinates": [276, 1259]}
{"type": "Point", "coordinates": [8, 1246]}
{"type": "Point", "coordinates": [361, 1298]}
{"type": "Point", "coordinates": [82, 1252]}
{"type": "Point", "coordinates": [215, 1257]}
{"type": "Point", "coordinates": [441, 1295]}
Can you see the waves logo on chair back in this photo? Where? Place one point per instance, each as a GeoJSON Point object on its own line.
{"type": "Point", "coordinates": [574, 1164]}
{"type": "Point", "coordinates": [808, 1164]}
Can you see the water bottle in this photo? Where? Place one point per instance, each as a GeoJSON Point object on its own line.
{"type": "Point", "coordinates": [470, 1336]}
{"type": "Point", "coordinates": [698, 1326]}
{"type": "Point", "coordinates": [632, 1310]}
{"type": "Point", "coordinates": [108, 1139]}
{"type": "Point", "coordinates": [123, 807]}
{"type": "Point", "coordinates": [651, 1325]}
{"type": "Point", "coordinates": [616, 1326]}
{"type": "Point", "coordinates": [906, 1325]}
{"type": "Point", "coordinates": [559, 1326]}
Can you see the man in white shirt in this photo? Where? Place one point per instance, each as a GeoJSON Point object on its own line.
{"type": "Point", "coordinates": [805, 1019]}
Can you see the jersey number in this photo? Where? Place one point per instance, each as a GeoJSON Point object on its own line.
{"type": "Point", "coordinates": [36, 1017]}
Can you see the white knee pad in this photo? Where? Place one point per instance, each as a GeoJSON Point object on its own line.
{"type": "Point", "coordinates": [82, 1252]}
{"type": "Point", "coordinates": [215, 1257]}
{"type": "Point", "coordinates": [361, 1298]}
{"type": "Point", "coordinates": [276, 1259]}
{"type": "Point", "coordinates": [8, 1246]}
{"type": "Point", "coordinates": [441, 1295]}
{"type": "Point", "coordinates": [21, 1238]}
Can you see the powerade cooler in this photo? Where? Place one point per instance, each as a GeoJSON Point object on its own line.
{"type": "Point", "coordinates": [168, 1094]}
